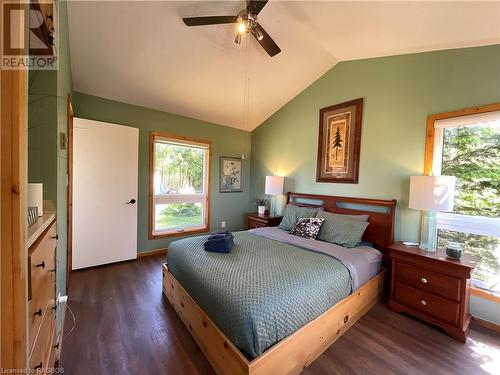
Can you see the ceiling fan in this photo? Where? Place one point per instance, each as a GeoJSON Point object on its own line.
{"type": "Point", "coordinates": [247, 24]}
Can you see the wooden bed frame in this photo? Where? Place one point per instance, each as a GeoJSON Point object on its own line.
{"type": "Point", "coordinates": [294, 353]}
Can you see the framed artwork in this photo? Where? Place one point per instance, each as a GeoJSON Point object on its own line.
{"type": "Point", "coordinates": [339, 142]}
{"type": "Point", "coordinates": [231, 175]}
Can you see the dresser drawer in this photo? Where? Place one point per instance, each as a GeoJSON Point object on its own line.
{"type": "Point", "coordinates": [41, 285]}
{"type": "Point", "coordinates": [429, 281]}
{"type": "Point", "coordinates": [256, 224]}
{"type": "Point", "coordinates": [43, 299]}
{"type": "Point", "coordinates": [41, 254]}
{"type": "Point", "coordinates": [40, 355]}
{"type": "Point", "coordinates": [427, 303]}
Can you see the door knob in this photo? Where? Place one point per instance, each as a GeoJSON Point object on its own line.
{"type": "Point", "coordinates": [132, 201]}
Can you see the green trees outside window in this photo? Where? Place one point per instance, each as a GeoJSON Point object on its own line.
{"type": "Point", "coordinates": [472, 155]}
{"type": "Point", "coordinates": [179, 186]}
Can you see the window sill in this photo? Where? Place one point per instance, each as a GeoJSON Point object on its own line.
{"type": "Point", "coordinates": [155, 236]}
{"type": "Point", "coordinates": [491, 296]}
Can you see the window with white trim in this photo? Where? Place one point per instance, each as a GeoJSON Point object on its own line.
{"type": "Point", "coordinates": [179, 190]}
{"type": "Point", "coordinates": [468, 147]}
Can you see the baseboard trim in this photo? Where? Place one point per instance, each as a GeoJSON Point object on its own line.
{"type": "Point", "coordinates": [147, 253]}
{"type": "Point", "coordinates": [487, 324]}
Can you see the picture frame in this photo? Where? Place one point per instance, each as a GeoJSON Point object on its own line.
{"type": "Point", "coordinates": [339, 142]}
{"type": "Point", "coordinates": [230, 175]}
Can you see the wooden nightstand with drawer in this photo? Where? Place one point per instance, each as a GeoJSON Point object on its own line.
{"type": "Point", "coordinates": [258, 221]}
{"type": "Point", "coordinates": [431, 287]}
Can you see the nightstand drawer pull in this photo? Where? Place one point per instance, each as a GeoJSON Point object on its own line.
{"type": "Point", "coordinates": [423, 302]}
{"type": "Point", "coordinates": [423, 280]}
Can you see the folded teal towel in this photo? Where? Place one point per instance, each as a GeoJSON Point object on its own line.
{"type": "Point", "coordinates": [219, 245]}
{"type": "Point", "coordinates": [220, 234]}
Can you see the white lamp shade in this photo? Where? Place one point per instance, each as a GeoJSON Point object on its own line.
{"type": "Point", "coordinates": [435, 193]}
{"type": "Point", "coordinates": [274, 185]}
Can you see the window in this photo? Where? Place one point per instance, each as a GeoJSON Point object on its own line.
{"type": "Point", "coordinates": [179, 185]}
{"type": "Point", "coordinates": [466, 144]}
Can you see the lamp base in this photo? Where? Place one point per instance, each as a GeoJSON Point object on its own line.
{"type": "Point", "coordinates": [428, 231]}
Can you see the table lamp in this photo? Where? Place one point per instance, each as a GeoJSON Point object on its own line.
{"type": "Point", "coordinates": [431, 194]}
{"type": "Point", "coordinates": [274, 186]}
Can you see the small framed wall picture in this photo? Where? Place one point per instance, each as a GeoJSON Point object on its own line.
{"type": "Point", "coordinates": [231, 175]}
{"type": "Point", "coordinates": [339, 142]}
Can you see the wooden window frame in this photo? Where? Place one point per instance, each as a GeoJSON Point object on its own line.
{"type": "Point", "coordinates": [429, 159]}
{"type": "Point", "coordinates": [152, 139]}
{"type": "Point", "coordinates": [429, 141]}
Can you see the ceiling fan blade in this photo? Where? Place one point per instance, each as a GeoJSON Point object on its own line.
{"type": "Point", "coordinates": [210, 20]}
{"type": "Point", "coordinates": [255, 6]}
{"type": "Point", "coordinates": [266, 41]}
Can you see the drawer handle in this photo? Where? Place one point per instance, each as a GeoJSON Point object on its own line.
{"type": "Point", "coordinates": [423, 280]}
{"type": "Point", "coordinates": [39, 313]}
{"type": "Point", "coordinates": [423, 302]}
{"type": "Point", "coordinates": [41, 265]}
{"type": "Point", "coordinates": [56, 237]}
{"type": "Point", "coordinates": [38, 367]}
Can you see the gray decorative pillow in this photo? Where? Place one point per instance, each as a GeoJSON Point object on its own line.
{"type": "Point", "coordinates": [307, 227]}
{"type": "Point", "coordinates": [343, 230]}
{"type": "Point", "coordinates": [294, 213]}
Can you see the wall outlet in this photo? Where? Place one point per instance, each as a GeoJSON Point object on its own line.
{"type": "Point", "coordinates": [62, 299]}
{"type": "Point", "coordinates": [223, 224]}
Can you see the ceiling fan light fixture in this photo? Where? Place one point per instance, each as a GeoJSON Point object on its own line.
{"type": "Point", "coordinates": [258, 34]}
{"type": "Point", "coordinates": [242, 27]}
{"type": "Point", "coordinates": [237, 40]}
{"type": "Point", "coordinates": [245, 22]}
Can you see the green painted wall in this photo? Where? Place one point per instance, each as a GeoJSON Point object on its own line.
{"type": "Point", "coordinates": [226, 141]}
{"type": "Point", "coordinates": [42, 131]}
{"type": "Point", "coordinates": [399, 93]}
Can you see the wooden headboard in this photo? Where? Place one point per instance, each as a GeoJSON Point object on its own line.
{"type": "Point", "coordinates": [381, 212]}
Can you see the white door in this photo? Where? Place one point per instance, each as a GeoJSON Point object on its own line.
{"type": "Point", "coordinates": [105, 168]}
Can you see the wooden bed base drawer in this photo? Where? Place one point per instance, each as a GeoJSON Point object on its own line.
{"type": "Point", "coordinates": [289, 356]}
{"type": "Point", "coordinates": [427, 303]}
{"type": "Point", "coordinates": [429, 281]}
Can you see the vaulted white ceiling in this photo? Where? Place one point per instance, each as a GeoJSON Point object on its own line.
{"type": "Point", "coordinates": [142, 53]}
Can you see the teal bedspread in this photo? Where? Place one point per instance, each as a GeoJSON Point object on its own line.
{"type": "Point", "coordinates": [261, 292]}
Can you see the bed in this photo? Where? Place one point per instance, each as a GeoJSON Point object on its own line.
{"type": "Point", "coordinates": [277, 301]}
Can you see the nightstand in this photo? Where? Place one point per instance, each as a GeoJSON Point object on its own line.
{"type": "Point", "coordinates": [258, 221]}
{"type": "Point", "coordinates": [431, 287]}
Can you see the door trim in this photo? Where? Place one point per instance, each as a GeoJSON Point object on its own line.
{"type": "Point", "coordinates": [69, 245]}
{"type": "Point", "coordinates": [13, 256]}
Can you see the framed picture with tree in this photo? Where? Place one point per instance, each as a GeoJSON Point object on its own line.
{"type": "Point", "coordinates": [339, 142]}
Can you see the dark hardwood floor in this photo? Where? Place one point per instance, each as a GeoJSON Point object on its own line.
{"type": "Point", "coordinates": [125, 326]}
